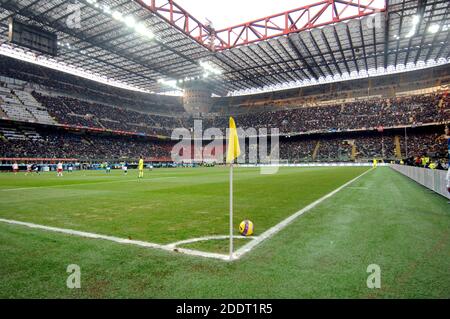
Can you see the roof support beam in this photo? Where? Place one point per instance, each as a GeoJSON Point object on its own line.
{"type": "Point", "coordinates": [386, 34]}
{"type": "Point", "coordinates": [324, 39]}
{"type": "Point", "coordinates": [420, 13]}
{"type": "Point", "coordinates": [363, 45]}
{"type": "Point", "coordinates": [302, 58]}
{"type": "Point", "coordinates": [352, 47]}
{"type": "Point", "coordinates": [338, 41]}
{"type": "Point", "coordinates": [304, 18]}
{"type": "Point", "coordinates": [281, 59]}
{"type": "Point", "coordinates": [299, 67]}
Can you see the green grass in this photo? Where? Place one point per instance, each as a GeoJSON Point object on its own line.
{"type": "Point", "coordinates": [168, 205]}
{"type": "Point", "coordinates": [383, 218]}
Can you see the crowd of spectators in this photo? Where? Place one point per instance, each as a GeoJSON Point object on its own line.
{"type": "Point", "coordinates": [373, 114]}
{"type": "Point", "coordinates": [76, 112]}
{"type": "Point", "coordinates": [356, 115]}
{"type": "Point", "coordinates": [362, 147]}
{"type": "Point", "coordinates": [62, 144]}
{"type": "Point", "coordinates": [58, 143]}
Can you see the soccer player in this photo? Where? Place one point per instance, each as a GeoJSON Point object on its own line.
{"type": "Point", "coordinates": [29, 167]}
{"type": "Point", "coordinates": [375, 163]}
{"type": "Point", "coordinates": [59, 169]}
{"type": "Point", "coordinates": [36, 168]}
{"type": "Point", "coordinates": [15, 167]}
{"type": "Point", "coordinates": [125, 168]}
{"type": "Point", "coordinates": [141, 167]}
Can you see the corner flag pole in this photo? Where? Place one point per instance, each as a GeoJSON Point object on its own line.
{"type": "Point", "coordinates": [233, 152]}
{"type": "Point", "coordinates": [231, 211]}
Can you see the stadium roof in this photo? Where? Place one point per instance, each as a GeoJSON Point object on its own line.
{"type": "Point", "coordinates": [156, 45]}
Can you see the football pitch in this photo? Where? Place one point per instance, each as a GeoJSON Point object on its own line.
{"type": "Point", "coordinates": [380, 218]}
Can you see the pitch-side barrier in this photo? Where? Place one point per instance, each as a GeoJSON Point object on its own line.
{"type": "Point", "coordinates": [436, 180]}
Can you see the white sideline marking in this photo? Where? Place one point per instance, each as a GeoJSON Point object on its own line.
{"type": "Point", "coordinates": [78, 184]}
{"type": "Point", "coordinates": [173, 246]}
{"type": "Point", "coordinates": [119, 240]}
{"type": "Point", "coordinates": [275, 229]}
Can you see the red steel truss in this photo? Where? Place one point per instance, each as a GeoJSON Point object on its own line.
{"type": "Point", "coordinates": [310, 16]}
{"type": "Point", "coordinates": [182, 20]}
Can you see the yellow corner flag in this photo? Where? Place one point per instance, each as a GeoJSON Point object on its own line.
{"type": "Point", "coordinates": [233, 152]}
{"type": "Point", "coordinates": [233, 143]}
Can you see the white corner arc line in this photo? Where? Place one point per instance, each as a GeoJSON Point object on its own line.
{"type": "Point", "coordinates": [275, 229]}
{"type": "Point", "coordinates": [207, 238]}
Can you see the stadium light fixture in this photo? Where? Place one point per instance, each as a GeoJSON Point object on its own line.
{"type": "Point", "coordinates": [106, 9]}
{"type": "Point", "coordinates": [210, 68]}
{"type": "Point", "coordinates": [434, 28]}
{"type": "Point", "coordinates": [141, 29]}
{"type": "Point", "coordinates": [415, 22]}
{"type": "Point", "coordinates": [117, 16]}
{"type": "Point", "coordinates": [129, 21]}
{"type": "Point", "coordinates": [170, 83]}
{"type": "Point", "coordinates": [373, 72]}
{"type": "Point", "coordinates": [28, 56]}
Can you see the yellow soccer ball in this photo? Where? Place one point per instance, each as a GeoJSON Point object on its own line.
{"type": "Point", "coordinates": [246, 228]}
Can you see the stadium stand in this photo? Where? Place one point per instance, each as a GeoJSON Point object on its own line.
{"type": "Point", "coordinates": [53, 80]}
{"type": "Point", "coordinates": [43, 143]}
{"type": "Point", "coordinates": [51, 143]}
{"type": "Point", "coordinates": [313, 131]}
{"type": "Point", "coordinates": [13, 108]}
{"type": "Point", "coordinates": [366, 146]}
{"type": "Point", "coordinates": [34, 107]}
{"type": "Point", "coordinates": [340, 117]}
{"type": "Point", "coordinates": [21, 106]}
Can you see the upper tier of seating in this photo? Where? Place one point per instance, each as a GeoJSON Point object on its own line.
{"type": "Point", "coordinates": [21, 106]}
{"type": "Point", "coordinates": [366, 114]}
{"type": "Point", "coordinates": [39, 112]}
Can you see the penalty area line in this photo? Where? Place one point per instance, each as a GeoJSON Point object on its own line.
{"type": "Point", "coordinates": [275, 229]}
